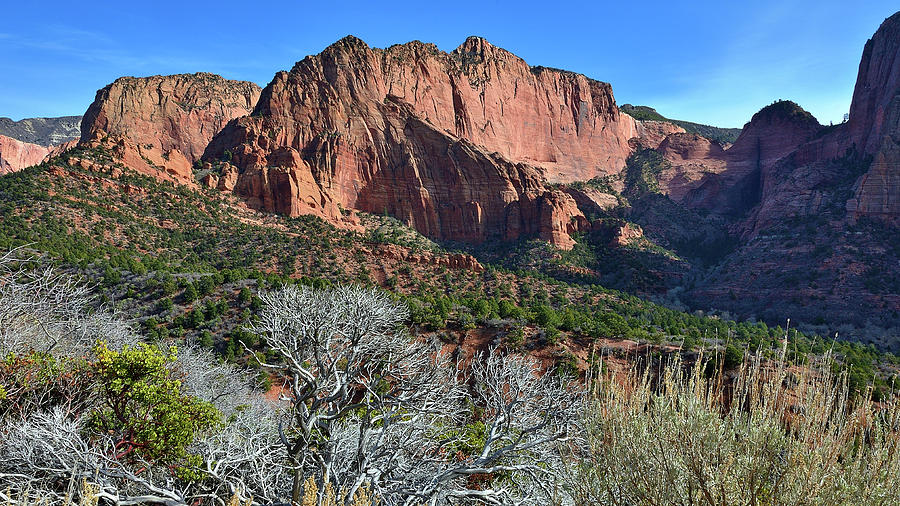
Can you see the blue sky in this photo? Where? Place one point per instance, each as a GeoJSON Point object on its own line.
{"type": "Point", "coordinates": [710, 62]}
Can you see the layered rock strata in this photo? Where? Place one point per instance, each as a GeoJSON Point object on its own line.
{"type": "Point", "coordinates": [15, 155]}
{"type": "Point", "coordinates": [456, 145]}
{"type": "Point", "coordinates": [166, 121]}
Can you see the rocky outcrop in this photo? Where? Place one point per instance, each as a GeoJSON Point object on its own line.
{"type": "Point", "coordinates": [625, 234]}
{"type": "Point", "coordinates": [693, 159]}
{"type": "Point", "coordinates": [42, 131]}
{"type": "Point", "coordinates": [652, 133]}
{"type": "Point", "coordinates": [15, 155]}
{"type": "Point", "coordinates": [173, 118]}
{"type": "Point", "coordinates": [877, 88]}
{"type": "Point", "coordinates": [452, 260]}
{"type": "Point", "coordinates": [801, 254]}
{"type": "Point", "coordinates": [878, 191]}
{"type": "Point", "coordinates": [772, 133]}
{"type": "Point", "coordinates": [874, 125]}
{"type": "Point", "coordinates": [593, 200]}
{"type": "Point", "coordinates": [447, 143]}
{"type": "Point", "coordinates": [777, 161]}
{"type": "Point", "coordinates": [685, 147]}
{"type": "Point", "coordinates": [561, 121]}
{"type": "Point", "coordinates": [738, 178]}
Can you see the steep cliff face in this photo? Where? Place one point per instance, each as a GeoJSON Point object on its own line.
{"type": "Point", "coordinates": [562, 121]}
{"type": "Point", "coordinates": [878, 191]}
{"type": "Point", "coordinates": [877, 88]}
{"type": "Point", "coordinates": [693, 159]}
{"type": "Point", "coordinates": [447, 143]}
{"type": "Point", "coordinates": [874, 124]}
{"type": "Point", "coordinates": [168, 120]}
{"type": "Point", "coordinates": [652, 133]}
{"type": "Point", "coordinates": [802, 253]}
{"type": "Point", "coordinates": [772, 134]}
{"type": "Point", "coordinates": [160, 125]}
{"type": "Point", "coordinates": [775, 162]}
{"type": "Point", "coordinates": [739, 178]}
{"type": "Point", "coordinates": [15, 155]}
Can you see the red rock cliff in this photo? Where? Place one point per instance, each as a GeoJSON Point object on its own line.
{"type": "Point", "coordinates": [15, 155]}
{"type": "Point", "coordinates": [167, 119]}
{"type": "Point", "coordinates": [738, 178]}
{"type": "Point", "coordinates": [447, 143]}
{"type": "Point", "coordinates": [877, 88]}
{"type": "Point", "coordinates": [874, 124]}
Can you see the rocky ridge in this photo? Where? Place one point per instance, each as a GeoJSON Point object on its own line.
{"type": "Point", "coordinates": [42, 131]}
{"type": "Point", "coordinates": [458, 145]}
{"type": "Point", "coordinates": [462, 145]}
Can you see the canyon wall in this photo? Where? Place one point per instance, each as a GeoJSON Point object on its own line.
{"type": "Point", "coordinates": [15, 155]}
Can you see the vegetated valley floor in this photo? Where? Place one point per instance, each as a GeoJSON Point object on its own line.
{"type": "Point", "coordinates": [187, 264]}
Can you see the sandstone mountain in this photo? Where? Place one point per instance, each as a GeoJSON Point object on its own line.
{"type": "Point", "coordinates": [783, 138]}
{"type": "Point", "coordinates": [731, 181]}
{"type": "Point", "coordinates": [456, 145]}
{"type": "Point", "coordinates": [814, 209]}
{"type": "Point", "coordinates": [162, 124]}
{"type": "Point", "coordinates": [874, 125]}
{"type": "Point", "coordinates": [379, 130]}
{"type": "Point", "coordinates": [461, 146]}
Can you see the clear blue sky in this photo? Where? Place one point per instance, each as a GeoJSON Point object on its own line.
{"type": "Point", "coordinates": [710, 62]}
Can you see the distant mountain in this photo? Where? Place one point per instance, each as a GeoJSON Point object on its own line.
{"type": "Point", "coordinates": [645, 113]}
{"type": "Point", "coordinates": [42, 131]}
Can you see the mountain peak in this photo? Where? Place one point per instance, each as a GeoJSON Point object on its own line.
{"type": "Point", "coordinates": [784, 110]}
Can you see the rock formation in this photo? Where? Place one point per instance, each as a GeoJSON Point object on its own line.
{"type": "Point", "coordinates": [652, 133]}
{"type": "Point", "coordinates": [15, 155]}
{"type": "Point", "coordinates": [694, 160]}
{"type": "Point", "coordinates": [448, 143]}
{"type": "Point", "coordinates": [42, 131]}
{"type": "Point", "coordinates": [703, 175]}
{"type": "Point", "coordinates": [877, 89]}
{"type": "Point", "coordinates": [460, 145]}
{"type": "Point", "coordinates": [181, 112]}
{"type": "Point", "coordinates": [166, 121]}
{"type": "Point", "coordinates": [777, 162]}
{"type": "Point", "coordinates": [874, 124]}
{"type": "Point", "coordinates": [878, 191]}
{"type": "Point", "coordinates": [561, 121]}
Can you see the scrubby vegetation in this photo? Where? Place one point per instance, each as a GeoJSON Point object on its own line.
{"type": "Point", "coordinates": [766, 434]}
{"type": "Point", "coordinates": [370, 413]}
{"type": "Point", "coordinates": [368, 410]}
{"type": "Point", "coordinates": [720, 135]}
{"type": "Point", "coordinates": [215, 297]}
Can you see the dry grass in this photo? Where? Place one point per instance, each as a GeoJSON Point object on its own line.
{"type": "Point", "coordinates": [85, 493]}
{"type": "Point", "coordinates": [767, 434]}
{"type": "Point", "coordinates": [88, 494]}
{"type": "Point", "coordinates": [311, 496]}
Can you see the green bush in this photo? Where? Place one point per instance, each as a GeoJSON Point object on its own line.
{"type": "Point", "coordinates": [142, 405]}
